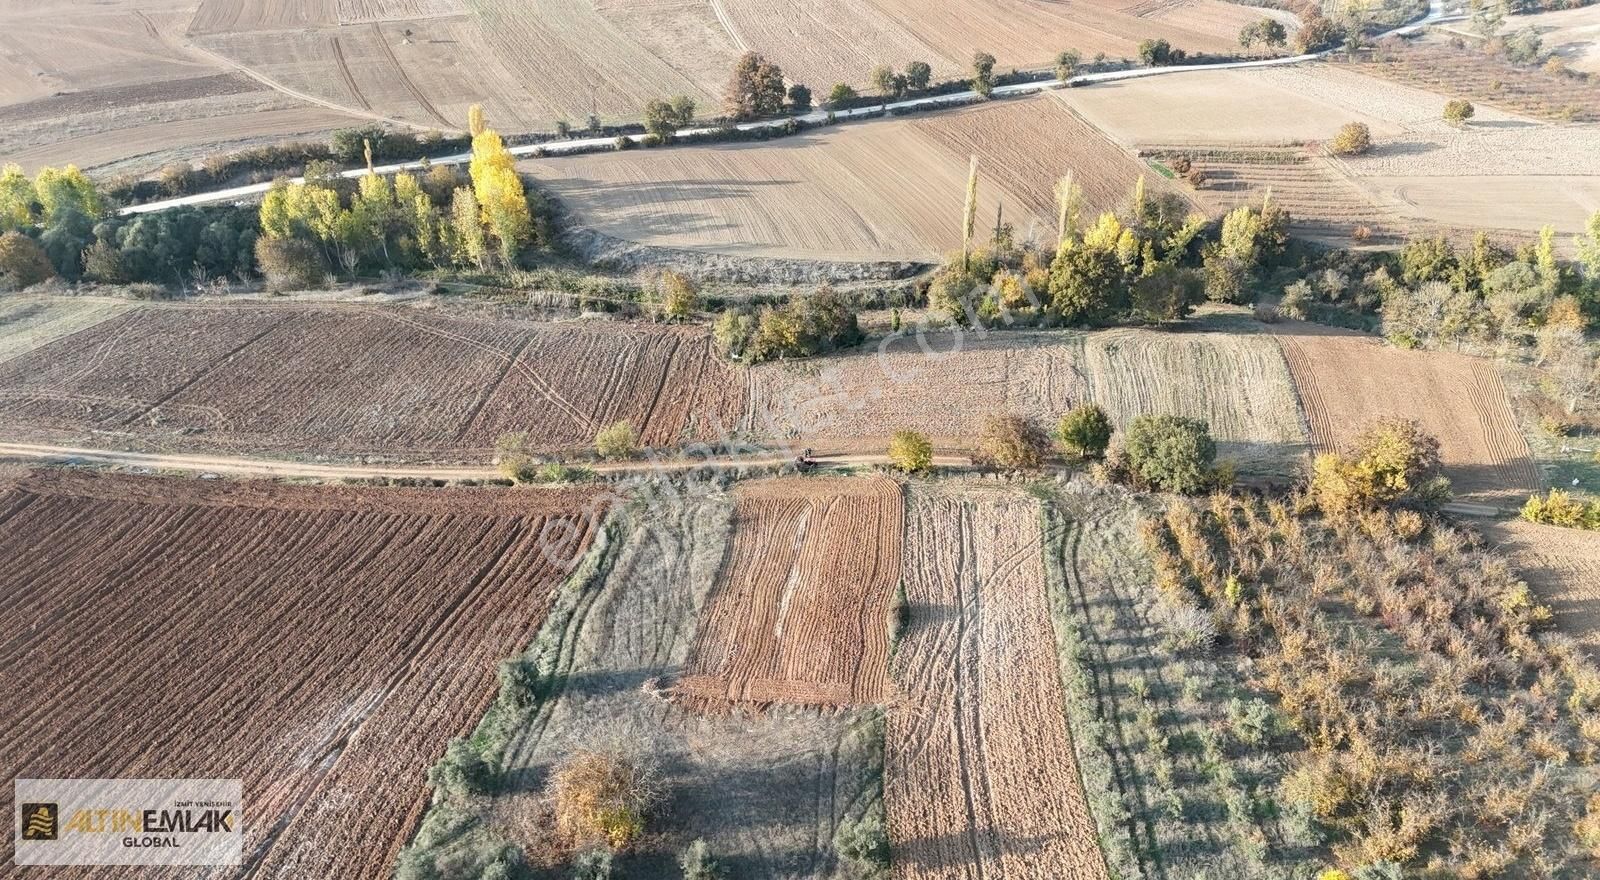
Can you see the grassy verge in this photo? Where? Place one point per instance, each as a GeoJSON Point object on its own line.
{"type": "Point", "coordinates": [451, 831]}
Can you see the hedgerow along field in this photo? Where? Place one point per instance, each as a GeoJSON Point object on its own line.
{"type": "Point", "coordinates": [322, 644]}
{"type": "Point", "coordinates": [398, 380]}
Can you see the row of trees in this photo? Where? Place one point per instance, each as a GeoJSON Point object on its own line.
{"type": "Point", "coordinates": [1165, 453]}
{"type": "Point", "coordinates": [399, 223]}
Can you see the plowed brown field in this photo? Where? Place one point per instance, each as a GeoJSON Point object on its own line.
{"type": "Point", "coordinates": [353, 379]}
{"type": "Point", "coordinates": [321, 644]}
{"type": "Point", "coordinates": [1026, 146]}
{"type": "Point", "coordinates": [1346, 380]}
{"type": "Point", "coordinates": [800, 613]}
{"type": "Point", "coordinates": [980, 775]}
{"type": "Point", "coordinates": [1563, 567]}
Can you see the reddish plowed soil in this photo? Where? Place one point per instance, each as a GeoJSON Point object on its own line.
{"type": "Point", "coordinates": [800, 613]}
{"type": "Point", "coordinates": [980, 777]}
{"type": "Point", "coordinates": [403, 381]}
{"type": "Point", "coordinates": [1346, 380]}
{"type": "Point", "coordinates": [322, 644]}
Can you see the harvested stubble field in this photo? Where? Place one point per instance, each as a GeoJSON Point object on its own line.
{"type": "Point", "coordinates": [405, 381]}
{"type": "Point", "coordinates": [1563, 567]}
{"type": "Point", "coordinates": [980, 777]}
{"type": "Point", "coordinates": [166, 611]}
{"type": "Point", "coordinates": [800, 614]}
{"type": "Point", "coordinates": [821, 42]}
{"type": "Point", "coordinates": [876, 191]}
{"type": "Point", "coordinates": [1267, 106]}
{"type": "Point", "coordinates": [1486, 80]}
{"type": "Point", "coordinates": [112, 86]}
{"type": "Point", "coordinates": [425, 61]}
{"type": "Point", "coordinates": [1346, 380]}
{"type": "Point", "coordinates": [1237, 381]}
{"type": "Point", "coordinates": [766, 790]}
{"type": "Point", "coordinates": [1025, 146]}
{"type": "Point", "coordinates": [27, 322]}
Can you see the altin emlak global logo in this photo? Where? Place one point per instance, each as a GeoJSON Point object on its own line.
{"type": "Point", "coordinates": [128, 821]}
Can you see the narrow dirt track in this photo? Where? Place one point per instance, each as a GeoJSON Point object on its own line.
{"type": "Point", "coordinates": [269, 467]}
{"type": "Point", "coordinates": [980, 775]}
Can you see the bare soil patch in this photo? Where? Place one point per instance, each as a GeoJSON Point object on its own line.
{"type": "Point", "coordinates": [876, 191]}
{"type": "Point", "coordinates": [340, 636]}
{"type": "Point", "coordinates": [1563, 567]}
{"type": "Point", "coordinates": [980, 776]}
{"type": "Point", "coordinates": [1323, 203]}
{"type": "Point", "coordinates": [1346, 380]}
{"type": "Point", "coordinates": [800, 614]}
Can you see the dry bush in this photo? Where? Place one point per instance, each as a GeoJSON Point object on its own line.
{"type": "Point", "coordinates": [1353, 139]}
{"type": "Point", "coordinates": [602, 797]}
{"type": "Point", "coordinates": [1014, 442]}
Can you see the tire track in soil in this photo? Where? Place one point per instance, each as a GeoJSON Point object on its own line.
{"type": "Point", "coordinates": [965, 752]}
{"type": "Point", "coordinates": [347, 76]}
{"type": "Point", "coordinates": [489, 390]}
{"type": "Point", "coordinates": [584, 421]}
{"type": "Point", "coordinates": [206, 370]}
{"type": "Point", "coordinates": [405, 80]}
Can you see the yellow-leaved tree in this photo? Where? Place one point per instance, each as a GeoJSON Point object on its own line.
{"type": "Point", "coordinates": [16, 199]}
{"type": "Point", "coordinates": [498, 190]}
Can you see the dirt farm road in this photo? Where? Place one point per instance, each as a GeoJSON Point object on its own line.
{"type": "Point", "coordinates": [1436, 14]}
{"type": "Point", "coordinates": [270, 467]}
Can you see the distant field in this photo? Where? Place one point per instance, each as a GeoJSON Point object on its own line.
{"type": "Point", "coordinates": [1346, 380]}
{"type": "Point", "coordinates": [340, 637]}
{"type": "Point", "coordinates": [1573, 34]}
{"type": "Point", "coordinates": [112, 86]}
{"type": "Point", "coordinates": [1488, 81]}
{"type": "Point", "coordinates": [821, 42]}
{"type": "Point", "coordinates": [875, 191]}
{"type": "Point", "coordinates": [883, 190]}
{"type": "Point", "coordinates": [269, 378]}
{"type": "Point", "coordinates": [1025, 146]}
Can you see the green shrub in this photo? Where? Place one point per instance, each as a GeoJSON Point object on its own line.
{"type": "Point", "coordinates": [865, 844]}
{"type": "Point", "coordinates": [910, 451]}
{"type": "Point", "coordinates": [461, 772]}
{"type": "Point", "coordinates": [617, 440]}
{"type": "Point", "coordinates": [1172, 453]}
{"type": "Point", "coordinates": [1560, 509]}
{"type": "Point", "coordinates": [1457, 111]}
{"type": "Point", "coordinates": [1085, 431]}
{"type": "Point", "coordinates": [1353, 140]}
{"type": "Point", "coordinates": [697, 863]}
